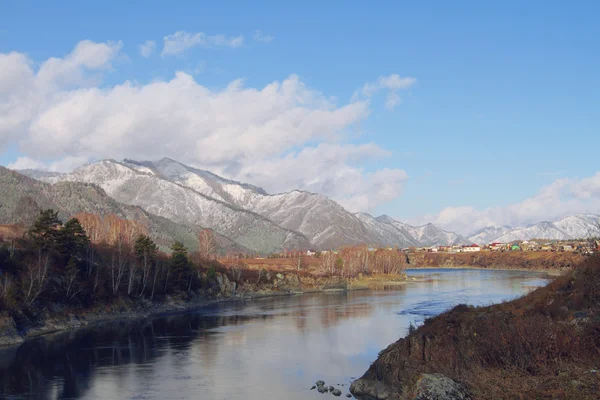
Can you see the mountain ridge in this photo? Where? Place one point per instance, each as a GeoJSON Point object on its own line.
{"type": "Point", "coordinates": [265, 222]}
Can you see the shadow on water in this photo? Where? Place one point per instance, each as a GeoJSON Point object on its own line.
{"type": "Point", "coordinates": [63, 365]}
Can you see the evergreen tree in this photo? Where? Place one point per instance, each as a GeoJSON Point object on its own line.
{"type": "Point", "coordinates": [180, 265]}
{"type": "Point", "coordinates": [45, 230]}
{"type": "Point", "coordinates": [72, 239]}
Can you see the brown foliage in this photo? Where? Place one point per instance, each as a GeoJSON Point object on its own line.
{"type": "Point", "coordinates": [542, 345]}
{"type": "Point", "coordinates": [207, 245]}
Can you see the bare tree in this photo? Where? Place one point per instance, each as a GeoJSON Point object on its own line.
{"type": "Point", "coordinates": [37, 276]}
{"type": "Point", "coordinates": [207, 245]}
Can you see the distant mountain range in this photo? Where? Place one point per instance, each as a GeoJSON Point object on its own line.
{"type": "Point", "coordinates": [250, 218]}
{"type": "Point", "coordinates": [576, 226]}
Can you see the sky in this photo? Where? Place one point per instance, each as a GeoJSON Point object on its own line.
{"type": "Point", "coordinates": [464, 114]}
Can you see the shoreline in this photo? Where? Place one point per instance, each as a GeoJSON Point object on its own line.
{"type": "Point", "coordinates": [68, 319]}
{"type": "Point", "coordinates": [134, 310]}
{"type": "Point", "coordinates": [554, 272]}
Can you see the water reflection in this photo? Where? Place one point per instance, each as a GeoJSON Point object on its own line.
{"type": "Point", "coordinates": [260, 349]}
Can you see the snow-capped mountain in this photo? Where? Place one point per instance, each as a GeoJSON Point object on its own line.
{"type": "Point", "coordinates": [387, 234]}
{"type": "Point", "coordinates": [579, 225]}
{"type": "Point", "coordinates": [264, 222]}
{"type": "Point", "coordinates": [153, 193]}
{"type": "Point", "coordinates": [426, 235]}
{"type": "Point", "coordinates": [323, 221]}
{"type": "Point", "coordinates": [244, 212]}
{"type": "Point", "coordinates": [488, 234]}
{"type": "Point", "coordinates": [576, 226]}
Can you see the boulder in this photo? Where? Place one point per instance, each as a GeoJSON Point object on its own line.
{"type": "Point", "coordinates": [439, 387]}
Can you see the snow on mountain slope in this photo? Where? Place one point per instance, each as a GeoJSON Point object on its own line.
{"type": "Point", "coordinates": [235, 193]}
{"type": "Point", "coordinates": [184, 205]}
{"type": "Point", "coordinates": [488, 234]}
{"type": "Point", "coordinates": [323, 221]}
{"type": "Point", "coordinates": [386, 234]}
{"type": "Point", "coordinates": [576, 226]}
{"type": "Point", "coordinates": [426, 235]}
{"type": "Point", "coordinates": [579, 225]}
{"type": "Point", "coordinates": [541, 230]}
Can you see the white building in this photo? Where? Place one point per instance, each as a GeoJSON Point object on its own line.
{"type": "Point", "coordinates": [471, 248]}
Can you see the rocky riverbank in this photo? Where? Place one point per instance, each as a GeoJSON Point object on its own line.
{"type": "Point", "coordinates": [543, 345]}
{"type": "Point", "coordinates": [19, 325]}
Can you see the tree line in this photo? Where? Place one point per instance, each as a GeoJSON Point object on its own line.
{"type": "Point", "coordinates": [352, 261]}
{"type": "Point", "coordinates": [91, 258]}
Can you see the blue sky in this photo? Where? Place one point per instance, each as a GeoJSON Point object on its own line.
{"type": "Point", "coordinates": [505, 101]}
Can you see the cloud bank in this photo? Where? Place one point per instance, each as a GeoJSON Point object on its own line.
{"type": "Point", "coordinates": [282, 136]}
{"type": "Point", "coordinates": [562, 197]}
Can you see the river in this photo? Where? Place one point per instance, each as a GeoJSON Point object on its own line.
{"type": "Point", "coordinates": [260, 349]}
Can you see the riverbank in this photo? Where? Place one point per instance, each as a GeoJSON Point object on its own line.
{"type": "Point", "coordinates": [18, 326]}
{"type": "Point", "coordinates": [543, 345]}
{"type": "Point", "coordinates": [549, 272]}
{"type": "Point", "coordinates": [554, 263]}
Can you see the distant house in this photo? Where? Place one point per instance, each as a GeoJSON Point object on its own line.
{"type": "Point", "coordinates": [496, 246]}
{"type": "Point", "coordinates": [568, 247]}
{"type": "Point", "coordinates": [472, 248]}
{"type": "Point", "coordinates": [310, 252]}
{"type": "Point", "coordinates": [515, 247]}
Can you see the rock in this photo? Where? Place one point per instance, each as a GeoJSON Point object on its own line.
{"type": "Point", "coordinates": [336, 392]}
{"type": "Point", "coordinates": [439, 387]}
{"type": "Point", "coordinates": [313, 388]}
{"type": "Point", "coordinates": [331, 388]}
{"type": "Point", "coordinates": [320, 383]}
{"type": "Point", "coordinates": [322, 389]}
{"type": "Point", "coordinates": [348, 395]}
{"type": "Point", "coordinates": [374, 389]}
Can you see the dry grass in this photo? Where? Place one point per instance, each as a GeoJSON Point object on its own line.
{"type": "Point", "coordinates": [543, 345]}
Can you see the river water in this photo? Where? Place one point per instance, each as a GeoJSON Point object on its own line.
{"type": "Point", "coordinates": [260, 349]}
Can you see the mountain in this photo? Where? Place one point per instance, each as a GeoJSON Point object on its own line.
{"type": "Point", "coordinates": [323, 221]}
{"type": "Point", "coordinates": [572, 227]}
{"type": "Point", "coordinates": [426, 235]}
{"type": "Point", "coordinates": [579, 225]}
{"type": "Point", "coordinates": [386, 234]}
{"type": "Point", "coordinates": [157, 195]}
{"type": "Point", "coordinates": [70, 198]}
{"type": "Point", "coordinates": [243, 212]}
{"type": "Point", "coordinates": [488, 234]}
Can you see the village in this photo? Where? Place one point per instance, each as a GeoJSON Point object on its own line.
{"type": "Point", "coordinates": [588, 246]}
{"type": "Point", "coordinates": [580, 246]}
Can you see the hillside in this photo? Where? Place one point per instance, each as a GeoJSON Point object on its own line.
{"type": "Point", "coordinates": [543, 345]}
{"type": "Point", "coordinates": [571, 227]}
{"type": "Point", "coordinates": [325, 223]}
{"type": "Point", "coordinates": [70, 198]}
{"type": "Point", "coordinates": [142, 188]}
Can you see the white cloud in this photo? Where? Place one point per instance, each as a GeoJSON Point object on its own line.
{"type": "Point", "coordinates": [392, 83]}
{"type": "Point", "coordinates": [282, 136]}
{"type": "Point", "coordinates": [181, 41]}
{"type": "Point", "coordinates": [330, 169]}
{"type": "Point", "coordinates": [562, 197]}
{"type": "Point", "coordinates": [147, 48]}
{"type": "Point", "coordinates": [259, 36]}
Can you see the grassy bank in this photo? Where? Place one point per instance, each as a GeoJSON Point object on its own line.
{"type": "Point", "coordinates": [543, 345]}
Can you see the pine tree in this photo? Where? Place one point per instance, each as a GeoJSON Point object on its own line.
{"type": "Point", "coordinates": [45, 230]}
{"type": "Point", "coordinates": [180, 265]}
{"type": "Point", "coordinates": [72, 239]}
